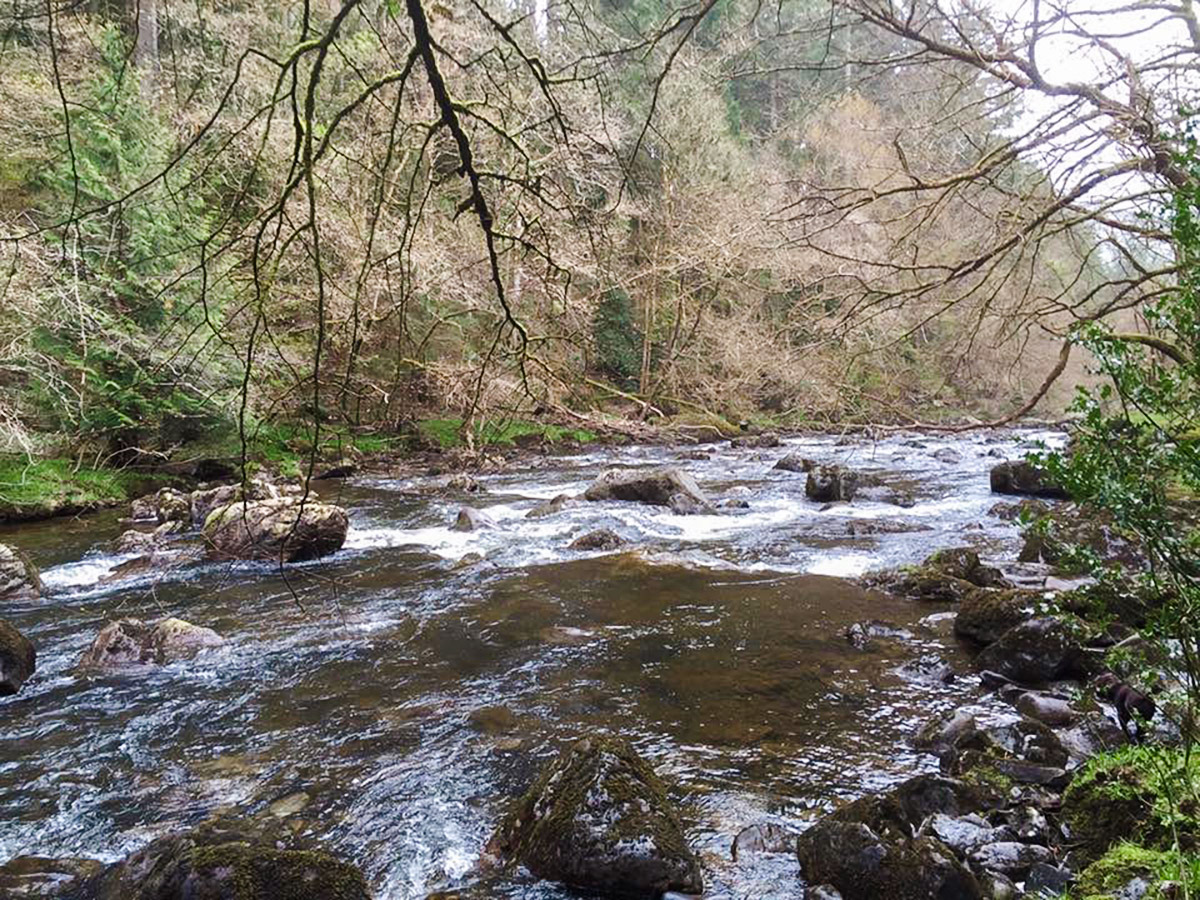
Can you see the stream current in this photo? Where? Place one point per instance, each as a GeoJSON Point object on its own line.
{"type": "Point", "coordinates": [389, 703]}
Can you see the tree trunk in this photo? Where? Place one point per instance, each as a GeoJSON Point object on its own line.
{"type": "Point", "coordinates": [144, 14]}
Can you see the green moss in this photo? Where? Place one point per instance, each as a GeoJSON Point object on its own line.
{"type": "Point", "coordinates": [35, 489]}
{"type": "Point", "coordinates": [994, 787]}
{"type": "Point", "coordinates": [260, 873]}
{"type": "Point", "coordinates": [597, 798]}
{"type": "Point", "coordinates": [1127, 861]}
{"type": "Point", "coordinates": [1144, 794]}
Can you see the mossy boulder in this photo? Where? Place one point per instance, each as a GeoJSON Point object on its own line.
{"type": "Point", "coordinates": [1124, 795]}
{"type": "Point", "coordinates": [19, 579]}
{"type": "Point", "coordinates": [870, 847]}
{"type": "Point", "coordinates": [867, 850]}
{"type": "Point", "coordinates": [984, 616]}
{"type": "Point", "coordinates": [1051, 537]}
{"type": "Point", "coordinates": [132, 642]}
{"type": "Point", "coordinates": [1023, 477]}
{"type": "Point", "coordinates": [226, 862]}
{"type": "Point", "coordinates": [282, 529]}
{"type": "Point", "coordinates": [18, 659]}
{"type": "Point", "coordinates": [964, 563]}
{"type": "Point", "coordinates": [598, 819]}
{"type": "Point", "coordinates": [656, 487]}
{"type": "Point", "coordinates": [1117, 873]}
{"type": "Point", "coordinates": [1035, 651]}
{"type": "Point", "coordinates": [947, 576]}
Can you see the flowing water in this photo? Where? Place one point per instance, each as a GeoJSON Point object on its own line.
{"type": "Point", "coordinates": [388, 702]}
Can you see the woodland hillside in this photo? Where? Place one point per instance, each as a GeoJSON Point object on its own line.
{"type": "Point", "coordinates": [225, 220]}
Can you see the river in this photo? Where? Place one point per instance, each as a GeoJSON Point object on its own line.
{"type": "Point", "coordinates": [389, 702]}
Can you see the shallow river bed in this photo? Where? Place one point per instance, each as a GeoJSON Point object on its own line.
{"type": "Point", "coordinates": [388, 702]}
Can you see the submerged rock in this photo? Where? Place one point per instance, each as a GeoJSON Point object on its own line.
{"type": "Point", "coordinates": [756, 441]}
{"type": "Point", "coordinates": [227, 862]}
{"type": "Point", "coordinates": [831, 484]}
{"type": "Point", "coordinates": [656, 487]}
{"type": "Point", "coordinates": [599, 539]}
{"type": "Point", "coordinates": [282, 529]}
{"type": "Point", "coordinates": [130, 642]}
{"type": "Point", "coordinates": [765, 838]}
{"type": "Point", "coordinates": [18, 659]}
{"type": "Point", "coordinates": [42, 876]}
{"type": "Point", "coordinates": [550, 507]}
{"type": "Point", "coordinates": [598, 819]}
{"type": "Point", "coordinates": [1023, 477]}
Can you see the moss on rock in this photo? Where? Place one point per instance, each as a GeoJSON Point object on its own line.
{"type": "Point", "coordinates": [1126, 795]}
{"type": "Point", "coordinates": [1126, 862]}
{"type": "Point", "coordinates": [599, 819]}
{"type": "Point", "coordinates": [984, 616]}
{"type": "Point", "coordinates": [239, 871]}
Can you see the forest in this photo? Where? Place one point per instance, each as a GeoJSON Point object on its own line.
{"type": "Point", "coordinates": [630, 448]}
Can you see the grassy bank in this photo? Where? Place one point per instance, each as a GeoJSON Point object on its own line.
{"type": "Point", "coordinates": [40, 488]}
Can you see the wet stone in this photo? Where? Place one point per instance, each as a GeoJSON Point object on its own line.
{"type": "Point", "coordinates": [1011, 858]}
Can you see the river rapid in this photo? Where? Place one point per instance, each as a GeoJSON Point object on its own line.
{"type": "Point", "coordinates": [388, 702]}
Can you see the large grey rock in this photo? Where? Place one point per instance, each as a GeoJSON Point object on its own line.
{"type": "Point", "coordinates": [132, 642]}
{"type": "Point", "coordinates": [1012, 858]}
{"type": "Point", "coordinates": [18, 659]}
{"type": "Point", "coordinates": [655, 487]}
{"type": "Point", "coordinates": [1023, 477]}
{"type": "Point", "coordinates": [1053, 711]}
{"type": "Point", "coordinates": [598, 819]}
{"type": "Point", "coordinates": [19, 580]}
{"type": "Point", "coordinates": [964, 834]}
{"type": "Point", "coordinates": [1035, 651]}
{"type": "Point", "coordinates": [282, 529]}
{"type": "Point", "coordinates": [831, 484]}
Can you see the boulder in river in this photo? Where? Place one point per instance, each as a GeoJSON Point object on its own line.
{"type": "Point", "coordinates": [964, 563]}
{"type": "Point", "coordinates": [794, 462]}
{"type": "Point", "coordinates": [171, 505]}
{"type": "Point", "coordinates": [227, 862]}
{"type": "Point", "coordinates": [599, 539]}
{"type": "Point", "coordinates": [19, 580]}
{"type": "Point", "coordinates": [830, 484]}
{"type": "Point", "coordinates": [135, 541]}
{"type": "Point", "coordinates": [18, 659]}
{"type": "Point", "coordinates": [984, 616]}
{"type": "Point", "coordinates": [867, 850]}
{"type": "Point", "coordinates": [656, 487]}
{"type": "Point", "coordinates": [598, 819]}
{"type": "Point", "coordinates": [131, 642]}
{"type": "Point", "coordinates": [1034, 651]}
{"type": "Point", "coordinates": [202, 503]}
{"type": "Point", "coordinates": [469, 519]}
{"type": "Point", "coordinates": [1023, 477]}
{"type": "Point", "coordinates": [283, 529]}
